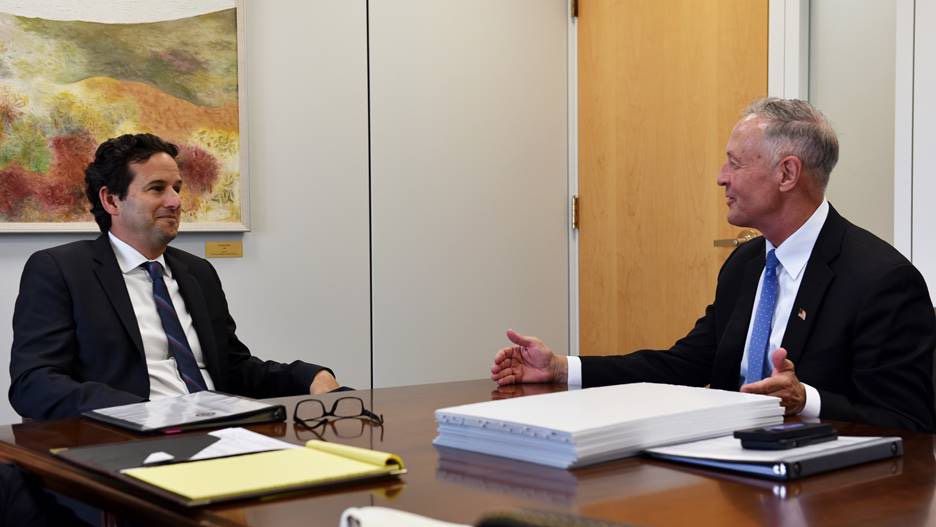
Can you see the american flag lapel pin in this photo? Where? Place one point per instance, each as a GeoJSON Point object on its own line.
{"type": "Point", "coordinates": [801, 314]}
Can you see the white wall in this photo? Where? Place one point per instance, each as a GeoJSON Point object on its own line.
{"type": "Point", "coordinates": [469, 170]}
{"type": "Point", "coordinates": [851, 79]}
{"type": "Point", "coordinates": [302, 289]}
{"type": "Point", "coordinates": [924, 139]}
{"type": "Point", "coordinates": [471, 119]}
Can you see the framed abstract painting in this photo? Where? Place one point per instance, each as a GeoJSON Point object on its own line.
{"type": "Point", "coordinates": [74, 73]}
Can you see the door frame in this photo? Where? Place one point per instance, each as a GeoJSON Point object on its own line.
{"type": "Point", "coordinates": [914, 160]}
{"type": "Point", "coordinates": [903, 127]}
{"type": "Point", "coordinates": [787, 76]}
{"type": "Point", "coordinates": [572, 76]}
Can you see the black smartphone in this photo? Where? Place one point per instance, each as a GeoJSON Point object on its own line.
{"type": "Point", "coordinates": [788, 435]}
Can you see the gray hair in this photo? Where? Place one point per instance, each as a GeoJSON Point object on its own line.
{"type": "Point", "coordinates": [795, 127]}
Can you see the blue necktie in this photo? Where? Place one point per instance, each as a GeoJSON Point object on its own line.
{"type": "Point", "coordinates": [758, 365]}
{"type": "Point", "coordinates": [179, 347]}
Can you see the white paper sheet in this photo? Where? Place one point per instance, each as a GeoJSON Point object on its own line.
{"type": "Point", "coordinates": [386, 517]}
{"type": "Point", "coordinates": [235, 441]}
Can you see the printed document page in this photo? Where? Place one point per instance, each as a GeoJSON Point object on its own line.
{"type": "Point", "coordinates": [235, 441]}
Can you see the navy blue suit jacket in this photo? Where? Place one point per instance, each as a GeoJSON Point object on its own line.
{"type": "Point", "coordinates": [77, 346]}
{"type": "Point", "coordinates": [866, 342]}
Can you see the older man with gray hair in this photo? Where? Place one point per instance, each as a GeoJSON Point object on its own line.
{"type": "Point", "coordinates": [817, 311]}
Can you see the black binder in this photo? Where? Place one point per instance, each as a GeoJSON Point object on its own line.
{"type": "Point", "coordinates": [794, 463]}
{"type": "Point", "coordinates": [111, 458]}
{"type": "Point", "coordinates": [189, 412]}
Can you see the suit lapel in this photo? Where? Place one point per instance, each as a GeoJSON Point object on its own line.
{"type": "Point", "coordinates": [813, 288]}
{"type": "Point", "coordinates": [112, 282]}
{"type": "Point", "coordinates": [731, 347]}
{"type": "Point", "coordinates": [194, 299]}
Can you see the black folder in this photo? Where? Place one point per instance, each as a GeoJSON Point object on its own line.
{"type": "Point", "coordinates": [797, 463]}
{"type": "Point", "coordinates": [204, 409]}
{"type": "Point", "coordinates": [125, 460]}
{"type": "Point", "coordinates": [111, 458]}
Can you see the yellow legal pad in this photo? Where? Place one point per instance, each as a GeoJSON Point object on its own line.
{"type": "Point", "coordinates": [319, 463]}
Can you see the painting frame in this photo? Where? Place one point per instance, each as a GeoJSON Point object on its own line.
{"type": "Point", "coordinates": [242, 224]}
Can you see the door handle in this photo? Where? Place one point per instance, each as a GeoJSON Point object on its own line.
{"type": "Point", "coordinates": [745, 235]}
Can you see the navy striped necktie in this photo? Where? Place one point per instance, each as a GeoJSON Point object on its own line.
{"type": "Point", "coordinates": [179, 348]}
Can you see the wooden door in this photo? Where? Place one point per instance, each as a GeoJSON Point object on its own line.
{"type": "Point", "coordinates": [661, 83]}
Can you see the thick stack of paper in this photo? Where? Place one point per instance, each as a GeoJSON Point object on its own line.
{"type": "Point", "coordinates": [582, 427]}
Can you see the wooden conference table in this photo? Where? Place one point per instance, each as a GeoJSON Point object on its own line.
{"type": "Point", "coordinates": [459, 486]}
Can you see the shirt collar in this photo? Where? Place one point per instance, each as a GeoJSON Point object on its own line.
{"type": "Point", "coordinates": [129, 259]}
{"type": "Point", "coordinates": [794, 252]}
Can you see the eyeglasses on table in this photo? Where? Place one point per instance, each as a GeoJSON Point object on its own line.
{"type": "Point", "coordinates": [345, 428]}
{"type": "Point", "coordinates": [312, 412]}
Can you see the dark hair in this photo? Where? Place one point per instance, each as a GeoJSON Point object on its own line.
{"type": "Point", "coordinates": [111, 168]}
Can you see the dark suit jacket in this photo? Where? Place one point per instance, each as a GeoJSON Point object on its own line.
{"type": "Point", "coordinates": [77, 346]}
{"type": "Point", "coordinates": [866, 343]}
{"type": "Point", "coordinates": [24, 502]}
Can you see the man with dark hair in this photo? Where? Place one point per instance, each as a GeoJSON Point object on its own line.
{"type": "Point", "coordinates": [817, 312]}
{"type": "Point", "coordinates": [126, 318]}
{"type": "Point", "coordinates": [111, 168]}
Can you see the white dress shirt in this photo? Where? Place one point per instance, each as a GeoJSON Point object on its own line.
{"type": "Point", "coordinates": [793, 255]}
{"type": "Point", "coordinates": [164, 377]}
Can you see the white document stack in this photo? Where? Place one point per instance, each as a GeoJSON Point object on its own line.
{"type": "Point", "coordinates": [582, 427]}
